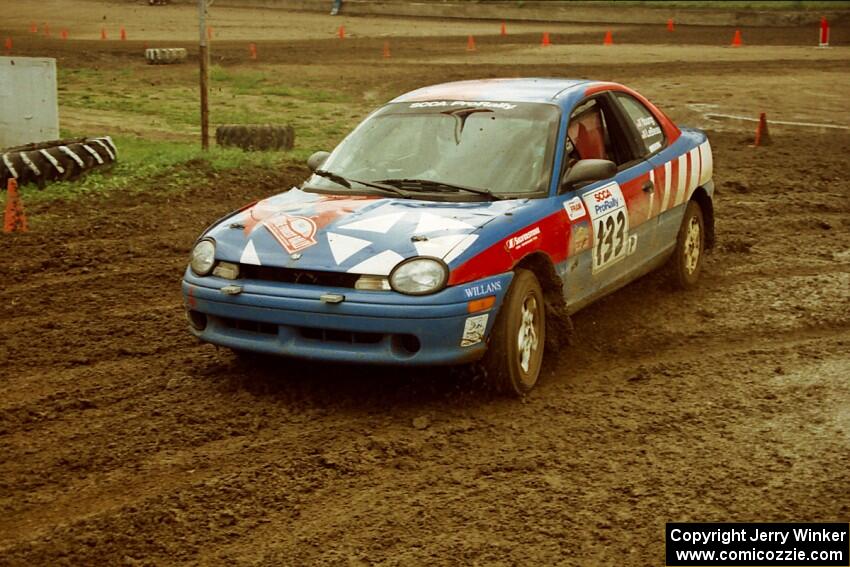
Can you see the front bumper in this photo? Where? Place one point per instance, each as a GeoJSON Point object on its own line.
{"type": "Point", "coordinates": [367, 327]}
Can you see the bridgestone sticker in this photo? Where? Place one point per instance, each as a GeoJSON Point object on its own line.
{"type": "Point", "coordinates": [523, 239]}
{"type": "Point", "coordinates": [610, 222]}
{"type": "Point", "coordinates": [293, 233]}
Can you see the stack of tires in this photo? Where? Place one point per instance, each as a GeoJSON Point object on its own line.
{"type": "Point", "coordinates": [56, 160]}
{"type": "Point", "coordinates": [255, 136]}
{"type": "Point", "coordinates": [165, 55]}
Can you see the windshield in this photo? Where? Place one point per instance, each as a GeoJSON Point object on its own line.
{"type": "Point", "coordinates": [505, 148]}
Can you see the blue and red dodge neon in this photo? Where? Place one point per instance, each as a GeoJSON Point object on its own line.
{"type": "Point", "coordinates": [455, 224]}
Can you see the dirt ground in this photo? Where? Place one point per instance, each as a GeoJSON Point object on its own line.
{"type": "Point", "coordinates": [123, 441]}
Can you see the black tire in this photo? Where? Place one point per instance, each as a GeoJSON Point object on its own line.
{"type": "Point", "coordinates": [13, 168]}
{"type": "Point", "coordinates": [510, 369]}
{"type": "Point", "coordinates": [255, 136]}
{"type": "Point", "coordinates": [43, 162]}
{"type": "Point", "coordinates": [165, 55]}
{"type": "Point", "coordinates": [687, 260]}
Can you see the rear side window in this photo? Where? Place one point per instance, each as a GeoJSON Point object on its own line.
{"type": "Point", "coordinates": [648, 129]}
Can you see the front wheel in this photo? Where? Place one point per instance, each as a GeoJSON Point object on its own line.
{"type": "Point", "coordinates": [515, 351]}
{"type": "Point", "coordinates": [686, 263]}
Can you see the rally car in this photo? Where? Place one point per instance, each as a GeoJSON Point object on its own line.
{"type": "Point", "coordinates": [455, 224]}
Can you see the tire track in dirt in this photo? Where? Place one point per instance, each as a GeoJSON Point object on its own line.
{"type": "Point", "coordinates": [711, 353]}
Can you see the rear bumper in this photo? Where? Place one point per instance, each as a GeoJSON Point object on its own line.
{"type": "Point", "coordinates": [368, 327]}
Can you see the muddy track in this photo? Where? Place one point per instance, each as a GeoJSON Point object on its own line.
{"type": "Point", "coordinates": [126, 442]}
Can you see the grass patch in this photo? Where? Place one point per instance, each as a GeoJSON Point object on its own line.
{"type": "Point", "coordinates": [140, 161]}
{"type": "Point", "coordinates": [161, 103]}
{"type": "Point", "coordinates": [140, 101]}
{"type": "Point", "coordinates": [244, 82]}
{"type": "Point", "coordinates": [258, 83]}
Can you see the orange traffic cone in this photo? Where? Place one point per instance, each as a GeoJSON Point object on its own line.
{"type": "Point", "coordinates": [609, 39]}
{"type": "Point", "coordinates": [15, 220]}
{"type": "Point", "coordinates": [545, 41]}
{"type": "Point", "coordinates": [63, 34]}
{"type": "Point", "coordinates": [252, 50]}
{"type": "Point", "coordinates": [824, 33]}
{"type": "Point", "coordinates": [670, 24]}
{"type": "Point", "coordinates": [33, 28]}
{"type": "Point", "coordinates": [209, 32]}
{"type": "Point", "coordinates": [470, 44]}
{"type": "Point", "coordinates": [102, 33]}
{"type": "Point", "coordinates": [504, 30]}
{"type": "Point", "coordinates": [386, 50]}
{"type": "Point", "coordinates": [341, 32]}
{"type": "Point", "coordinates": [8, 45]}
{"type": "Point", "coordinates": [123, 34]}
{"type": "Point", "coordinates": [736, 41]}
{"type": "Point", "coordinates": [762, 135]}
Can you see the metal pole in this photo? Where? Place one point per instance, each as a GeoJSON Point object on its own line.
{"type": "Point", "coordinates": [205, 70]}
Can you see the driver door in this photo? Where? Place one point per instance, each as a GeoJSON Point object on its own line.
{"type": "Point", "coordinates": [608, 218]}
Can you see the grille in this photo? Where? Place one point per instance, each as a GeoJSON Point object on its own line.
{"type": "Point", "coordinates": [305, 277]}
{"type": "Point", "coordinates": [348, 337]}
{"type": "Point", "coordinates": [253, 326]}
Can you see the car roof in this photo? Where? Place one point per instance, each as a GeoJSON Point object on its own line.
{"type": "Point", "coordinates": [508, 90]}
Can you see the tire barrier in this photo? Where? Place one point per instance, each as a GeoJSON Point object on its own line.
{"type": "Point", "coordinates": [165, 55]}
{"type": "Point", "coordinates": [57, 160]}
{"type": "Point", "coordinates": [255, 136]}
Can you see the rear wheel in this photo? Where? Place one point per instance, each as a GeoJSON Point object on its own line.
{"type": "Point", "coordinates": [515, 351]}
{"type": "Point", "coordinates": [686, 263]}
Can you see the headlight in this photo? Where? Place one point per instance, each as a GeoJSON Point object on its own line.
{"type": "Point", "coordinates": [419, 276]}
{"type": "Point", "coordinates": [203, 257]}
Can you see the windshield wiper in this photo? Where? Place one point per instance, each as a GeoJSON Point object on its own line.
{"type": "Point", "coordinates": [346, 182]}
{"type": "Point", "coordinates": [338, 179]}
{"type": "Point", "coordinates": [427, 184]}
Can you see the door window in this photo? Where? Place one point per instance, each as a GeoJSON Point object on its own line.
{"type": "Point", "coordinates": [595, 133]}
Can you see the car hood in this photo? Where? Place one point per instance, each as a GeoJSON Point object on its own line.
{"type": "Point", "coordinates": [356, 234]}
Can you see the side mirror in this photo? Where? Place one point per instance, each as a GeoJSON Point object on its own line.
{"type": "Point", "coordinates": [316, 160]}
{"type": "Point", "coordinates": [586, 171]}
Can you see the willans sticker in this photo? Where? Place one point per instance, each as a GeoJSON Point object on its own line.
{"type": "Point", "coordinates": [488, 288]}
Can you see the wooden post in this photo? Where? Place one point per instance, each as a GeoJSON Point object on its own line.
{"type": "Point", "coordinates": [204, 55]}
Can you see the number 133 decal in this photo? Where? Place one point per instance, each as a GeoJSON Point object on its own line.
{"type": "Point", "coordinates": [610, 220]}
